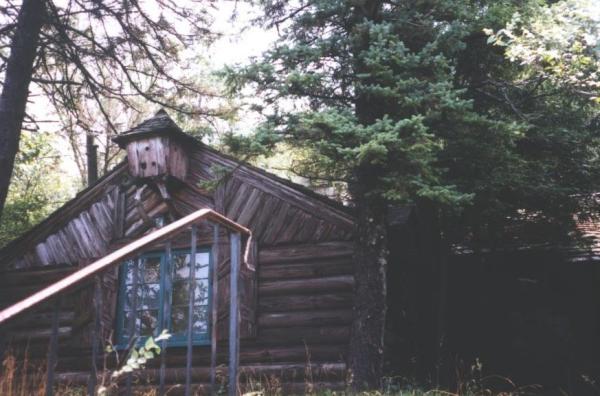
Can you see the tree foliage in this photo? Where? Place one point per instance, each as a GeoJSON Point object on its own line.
{"type": "Point", "coordinates": [499, 138]}
{"type": "Point", "coordinates": [38, 186]}
{"type": "Point", "coordinates": [92, 60]}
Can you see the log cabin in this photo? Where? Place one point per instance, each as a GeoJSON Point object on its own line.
{"type": "Point", "coordinates": [111, 267]}
{"type": "Point", "coordinates": [269, 299]}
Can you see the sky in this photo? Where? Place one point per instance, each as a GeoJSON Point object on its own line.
{"type": "Point", "coordinates": [239, 42]}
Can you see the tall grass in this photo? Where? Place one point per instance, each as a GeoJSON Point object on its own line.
{"type": "Point", "coordinates": [22, 377]}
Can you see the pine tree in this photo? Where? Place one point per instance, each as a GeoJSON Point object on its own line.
{"type": "Point", "coordinates": [374, 85]}
{"type": "Point", "coordinates": [409, 102]}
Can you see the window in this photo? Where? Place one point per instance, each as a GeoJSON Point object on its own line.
{"type": "Point", "coordinates": [156, 296]}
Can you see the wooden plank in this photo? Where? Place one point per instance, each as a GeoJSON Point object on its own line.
{"type": "Point", "coordinates": [38, 276]}
{"type": "Point", "coordinates": [238, 201]}
{"type": "Point", "coordinates": [269, 184]}
{"type": "Point", "coordinates": [283, 371]}
{"type": "Point", "coordinates": [232, 186]}
{"type": "Point", "coordinates": [75, 358]}
{"type": "Point", "coordinates": [261, 221]}
{"type": "Point", "coordinates": [289, 253]}
{"type": "Point", "coordinates": [277, 223]}
{"type": "Point", "coordinates": [253, 202]}
{"type": "Point", "coordinates": [308, 230]}
{"type": "Point", "coordinates": [42, 320]}
{"type": "Point", "coordinates": [306, 269]}
{"type": "Point", "coordinates": [310, 335]}
{"type": "Point", "coordinates": [12, 255]}
{"type": "Point", "coordinates": [292, 224]}
{"type": "Point", "coordinates": [306, 286]}
{"type": "Point", "coordinates": [306, 318]}
{"type": "Point", "coordinates": [303, 302]}
{"type": "Point", "coordinates": [118, 214]}
{"type": "Point", "coordinates": [285, 388]}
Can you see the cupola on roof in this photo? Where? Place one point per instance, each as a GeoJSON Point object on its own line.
{"type": "Point", "coordinates": [156, 149]}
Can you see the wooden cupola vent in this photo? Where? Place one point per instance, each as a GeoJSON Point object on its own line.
{"type": "Point", "coordinates": [156, 150]}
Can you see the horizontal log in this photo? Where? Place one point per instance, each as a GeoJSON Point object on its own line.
{"type": "Point", "coordinates": [321, 335]}
{"type": "Point", "coordinates": [306, 318]}
{"type": "Point", "coordinates": [41, 320]}
{"type": "Point", "coordinates": [304, 252]}
{"type": "Point", "coordinates": [77, 359]}
{"type": "Point", "coordinates": [257, 372]}
{"type": "Point", "coordinates": [285, 388]}
{"type": "Point", "coordinates": [34, 276]}
{"type": "Point", "coordinates": [311, 269]}
{"type": "Point", "coordinates": [301, 302]}
{"type": "Point", "coordinates": [64, 331]}
{"type": "Point", "coordinates": [306, 286]}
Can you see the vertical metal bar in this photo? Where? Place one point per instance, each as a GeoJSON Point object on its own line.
{"type": "Point", "coordinates": [214, 279]}
{"type": "Point", "coordinates": [95, 336]}
{"type": "Point", "coordinates": [132, 325]}
{"type": "Point", "coordinates": [190, 327]}
{"type": "Point", "coordinates": [52, 350]}
{"type": "Point", "coordinates": [234, 313]}
{"type": "Point", "coordinates": [166, 308]}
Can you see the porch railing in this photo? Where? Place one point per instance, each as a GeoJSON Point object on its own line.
{"type": "Point", "coordinates": [115, 258]}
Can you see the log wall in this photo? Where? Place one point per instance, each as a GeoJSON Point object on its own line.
{"type": "Point", "coordinates": [303, 304]}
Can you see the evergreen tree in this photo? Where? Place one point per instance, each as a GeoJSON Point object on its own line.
{"type": "Point", "coordinates": [408, 102]}
{"type": "Point", "coordinates": [373, 84]}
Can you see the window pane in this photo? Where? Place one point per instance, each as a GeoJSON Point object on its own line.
{"type": "Point", "coordinates": [180, 267]}
{"type": "Point", "coordinates": [150, 296]}
{"type": "Point", "coordinates": [127, 319]}
{"type": "Point", "coordinates": [179, 320]}
{"type": "Point", "coordinates": [151, 272]}
{"type": "Point", "coordinates": [201, 319]}
{"type": "Point", "coordinates": [145, 315]}
{"type": "Point", "coordinates": [181, 263]}
{"type": "Point", "coordinates": [180, 293]}
{"type": "Point", "coordinates": [201, 292]}
{"type": "Point", "coordinates": [149, 322]}
{"type": "Point", "coordinates": [129, 268]}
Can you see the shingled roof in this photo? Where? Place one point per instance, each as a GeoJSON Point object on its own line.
{"type": "Point", "coordinates": [158, 125]}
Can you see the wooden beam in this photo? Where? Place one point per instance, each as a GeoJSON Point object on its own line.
{"type": "Point", "coordinates": [118, 256]}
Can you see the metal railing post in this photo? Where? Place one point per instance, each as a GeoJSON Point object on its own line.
{"type": "Point", "coordinates": [235, 243]}
{"type": "Point", "coordinates": [132, 325]}
{"type": "Point", "coordinates": [52, 350]}
{"type": "Point", "coordinates": [190, 324]}
{"type": "Point", "coordinates": [95, 335]}
{"type": "Point", "coordinates": [214, 278]}
{"type": "Point", "coordinates": [165, 323]}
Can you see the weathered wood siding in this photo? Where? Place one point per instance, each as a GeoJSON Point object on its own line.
{"type": "Point", "coordinates": [303, 285]}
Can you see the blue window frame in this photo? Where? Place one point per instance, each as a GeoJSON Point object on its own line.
{"type": "Point", "coordinates": [156, 297]}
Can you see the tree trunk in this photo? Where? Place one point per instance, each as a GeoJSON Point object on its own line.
{"type": "Point", "coordinates": [370, 252]}
{"type": "Point", "coordinates": [15, 91]}
{"type": "Point", "coordinates": [370, 271]}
